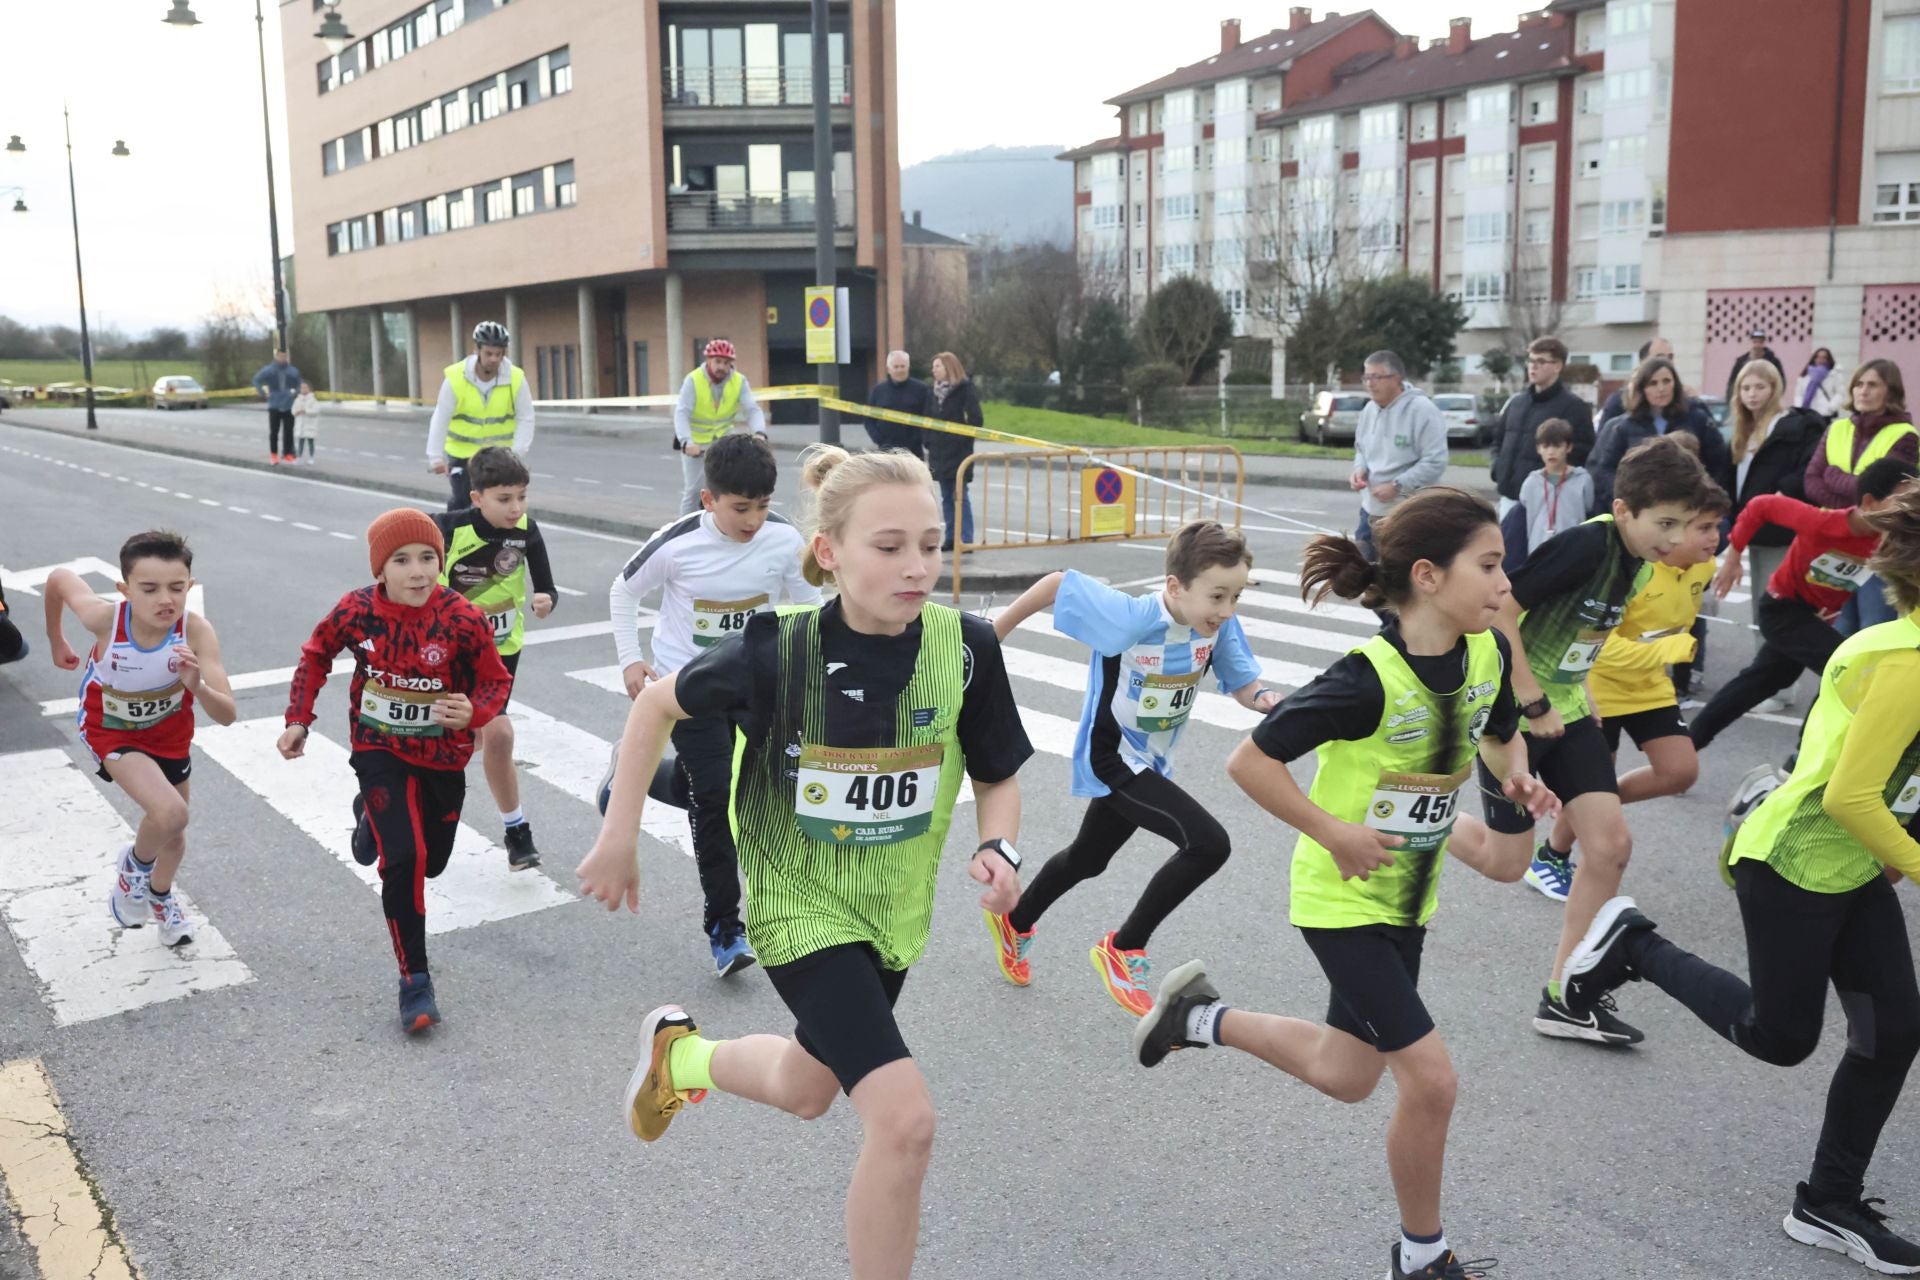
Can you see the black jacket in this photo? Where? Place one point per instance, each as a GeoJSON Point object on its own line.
{"type": "Point", "coordinates": [1514, 455]}
{"type": "Point", "coordinates": [1780, 466]}
{"type": "Point", "coordinates": [944, 449]}
{"type": "Point", "coordinates": [911, 396]}
{"type": "Point", "coordinates": [1618, 435]}
{"type": "Point", "coordinates": [1740, 362]}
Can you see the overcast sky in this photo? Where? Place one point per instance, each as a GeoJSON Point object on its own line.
{"type": "Point", "coordinates": [182, 222]}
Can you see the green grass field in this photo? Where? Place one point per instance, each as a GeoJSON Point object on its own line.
{"type": "Point", "coordinates": [137, 374]}
{"type": "Point", "coordinates": [1075, 428]}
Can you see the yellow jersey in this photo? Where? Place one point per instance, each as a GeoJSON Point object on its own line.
{"type": "Point", "coordinates": [1630, 672]}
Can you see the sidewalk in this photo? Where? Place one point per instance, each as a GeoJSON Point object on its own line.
{"type": "Point", "coordinates": [790, 438]}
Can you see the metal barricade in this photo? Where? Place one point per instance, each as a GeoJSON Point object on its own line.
{"type": "Point", "coordinates": [1058, 497]}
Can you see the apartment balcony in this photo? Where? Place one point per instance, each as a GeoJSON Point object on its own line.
{"type": "Point", "coordinates": [751, 220]}
{"type": "Point", "coordinates": [750, 97]}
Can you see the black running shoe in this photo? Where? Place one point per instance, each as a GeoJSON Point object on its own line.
{"type": "Point", "coordinates": [365, 851]}
{"type": "Point", "coordinates": [417, 1008]}
{"type": "Point", "coordinates": [1597, 1024]}
{"type": "Point", "coordinates": [1164, 1029]}
{"type": "Point", "coordinates": [1445, 1267]}
{"type": "Point", "coordinates": [1598, 962]}
{"type": "Point", "coordinates": [521, 855]}
{"type": "Point", "coordinates": [1858, 1230]}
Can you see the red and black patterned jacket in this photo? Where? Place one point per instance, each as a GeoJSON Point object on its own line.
{"type": "Point", "coordinates": [403, 658]}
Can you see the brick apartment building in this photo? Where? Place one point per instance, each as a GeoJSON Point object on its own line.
{"type": "Point", "coordinates": [616, 180]}
{"type": "Point", "coordinates": [1559, 175]}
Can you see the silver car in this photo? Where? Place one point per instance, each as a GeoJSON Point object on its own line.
{"type": "Point", "coordinates": [1335, 416]}
{"type": "Point", "coordinates": [1462, 415]}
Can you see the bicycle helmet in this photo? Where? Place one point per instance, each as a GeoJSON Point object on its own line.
{"type": "Point", "coordinates": [720, 348]}
{"type": "Point", "coordinates": [489, 333]}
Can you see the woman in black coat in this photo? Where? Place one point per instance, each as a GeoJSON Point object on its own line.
{"type": "Point", "coordinates": [954, 400]}
{"type": "Point", "coordinates": [1655, 404]}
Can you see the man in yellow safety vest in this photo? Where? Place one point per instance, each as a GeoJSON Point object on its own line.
{"type": "Point", "coordinates": [484, 401]}
{"type": "Point", "coordinates": [710, 399]}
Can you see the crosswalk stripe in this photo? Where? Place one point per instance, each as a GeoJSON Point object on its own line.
{"type": "Point", "coordinates": [62, 840]}
{"type": "Point", "coordinates": [284, 675]}
{"type": "Point", "coordinates": [575, 760]}
{"type": "Point", "coordinates": [315, 794]}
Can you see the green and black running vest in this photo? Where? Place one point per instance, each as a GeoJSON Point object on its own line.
{"type": "Point", "coordinates": [1563, 636]}
{"type": "Point", "coordinates": [492, 574]}
{"type": "Point", "coordinates": [840, 842]}
{"type": "Point", "coordinates": [1404, 779]}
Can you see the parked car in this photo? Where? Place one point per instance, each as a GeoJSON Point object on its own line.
{"type": "Point", "coordinates": [1716, 406]}
{"type": "Point", "coordinates": [1335, 416]}
{"type": "Point", "coordinates": [179, 392]}
{"type": "Point", "coordinates": [1462, 414]}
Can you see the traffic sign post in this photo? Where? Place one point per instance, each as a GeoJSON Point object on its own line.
{"type": "Point", "coordinates": [1107, 506]}
{"type": "Point", "coordinates": [822, 323]}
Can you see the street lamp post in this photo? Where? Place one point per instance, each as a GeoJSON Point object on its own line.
{"type": "Point", "coordinates": [19, 195]}
{"type": "Point", "coordinates": [79, 276]}
{"type": "Point", "coordinates": [334, 32]}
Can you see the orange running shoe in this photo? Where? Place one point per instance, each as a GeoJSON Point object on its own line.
{"type": "Point", "coordinates": [1125, 973]}
{"type": "Point", "coordinates": [651, 1100]}
{"type": "Point", "coordinates": [1012, 946]}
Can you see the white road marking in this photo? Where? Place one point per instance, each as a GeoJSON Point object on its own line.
{"type": "Point", "coordinates": [310, 528]}
{"type": "Point", "coordinates": [575, 760]}
{"type": "Point", "coordinates": [62, 841]}
{"type": "Point", "coordinates": [315, 793]}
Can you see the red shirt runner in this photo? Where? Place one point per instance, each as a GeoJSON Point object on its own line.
{"type": "Point", "coordinates": [1827, 560]}
{"type": "Point", "coordinates": [404, 659]}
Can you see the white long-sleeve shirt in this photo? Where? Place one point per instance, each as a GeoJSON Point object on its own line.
{"type": "Point", "coordinates": [683, 411]}
{"type": "Point", "coordinates": [709, 586]}
{"type": "Point", "coordinates": [443, 410]}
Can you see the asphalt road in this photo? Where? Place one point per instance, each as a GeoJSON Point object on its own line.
{"type": "Point", "coordinates": [280, 1126]}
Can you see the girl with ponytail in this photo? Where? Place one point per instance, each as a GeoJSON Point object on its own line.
{"type": "Point", "coordinates": [1397, 725]}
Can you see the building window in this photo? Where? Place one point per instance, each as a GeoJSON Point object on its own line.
{"type": "Point", "coordinates": [1900, 61]}
{"type": "Point", "coordinates": [560, 74]}
{"type": "Point", "coordinates": [1543, 103]}
{"type": "Point", "coordinates": [1629, 86]}
{"type": "Point", "coordinates": [525, 201]}
{"type": "Point", "coordinates": [1139, 260]}
{"type": "Point", "coordinates": [1139, 213]}
{"type": "Point", "coordinates": [1483, 286]}
{"type": "Point", "coordinates": [460, 209]}
{"type": "Point", "coordinates": [1381, 124]}
{"type": "Point", "coordinates": [1607, 282]}
{"type": "Point", "coordinates": [1456, 175]}
{"type": "Point", "coordinates": [1591, 97]}
{"type": "Point", "coordinates": [496, 205]}
{"type": "Point", "coordinates": [419, 26]}
{"type": "Point", "coordinates": [1586, 221]}
{"type": "Point", "coordinates": [564, 194]}
{"type": "Point", "coordinates": [1423, 180]}
{"type": "Point", "coordinates": [1896, 192]}
{"type": "Point", "coordinates": [1489, 170]}
{"type": "Point", "coordinates": [1490, 106]}
{"type": "Point", "coordinates": [436, 215]}
{"type": "Point", "coordinates": [1628, 154]}
{"type": "Point", "coordinates": [1539, 227]}
{"type": "Point", "coordinates": [1426, 121]}
{"type": "Point", "coordinates": [1486, 228]}
{"type": "Point", "coordinates": [1539, 162]}
{"type": "Point", "coordinates": [1629, 17]}
{"type": "Point", "coordinates": [1623, 217]}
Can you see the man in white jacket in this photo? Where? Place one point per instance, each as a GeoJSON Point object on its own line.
{"type": "Point", "coordinates": [1399, 447]}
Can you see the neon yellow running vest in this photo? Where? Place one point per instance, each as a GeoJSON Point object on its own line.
{"type": "Point", "coordinates": [494, 578]}
{"type": "Point", "coordinates": [838, 843]}
{"type": "Point", "coordinates": [1405, 779]}
{"type": "Point", "coordinates": [1790, 831]}
{"type": "Point", "coordinates": [1840, 444]}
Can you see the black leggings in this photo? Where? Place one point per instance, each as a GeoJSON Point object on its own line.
{"type": "Point", "coordinates": [1793, 639]}
{"type": "Point", "coordinates": [704, 748]}
{"type": "Point", "coordinates": [414, 813]}
{"type": "Point", "coordinates": [1150, 801]}
{"type": "Point", "coordinates": [1797, 941]}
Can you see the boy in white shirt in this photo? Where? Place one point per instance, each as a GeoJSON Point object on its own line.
{"type": "Point", "coordinates": [306, 419]}
{"type": "Point", "coordinates": [714, 569]}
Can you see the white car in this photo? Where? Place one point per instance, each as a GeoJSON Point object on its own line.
{"type": "Point", "coordinates": [1462, 415]}
{"type": "Point", "coordinates": [1335, 416]}
{"type": "Point", "coordinates": [179, 392]}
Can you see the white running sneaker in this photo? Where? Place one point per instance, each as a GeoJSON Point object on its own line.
{"type": "Point", "coordinates": [175, 929]}
{"type": "Point", "coordinates": [128, 899]}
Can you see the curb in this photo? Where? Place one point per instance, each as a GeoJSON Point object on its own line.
{"type": "Point", "coordinates": [977, 578]}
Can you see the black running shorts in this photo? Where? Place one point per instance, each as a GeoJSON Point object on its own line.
{"type": "Point", "coordinates": [1644, 726]}
{"type": "Point", "coordinates": [1374, 970]}
{"type": "Point", "coordinates": [174, 770]}
{"type": "Point", "coordinates": [1572, 765]}
{"type": "Point", "coordinates": [842, 1001]}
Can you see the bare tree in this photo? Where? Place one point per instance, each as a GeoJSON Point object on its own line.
{"type": "Point", "coordinates": [1309, 247]}
{"type": "Point", "coordinates": [1532, 309]}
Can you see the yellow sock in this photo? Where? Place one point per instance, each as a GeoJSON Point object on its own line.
{"type": "Point", "coordinates": [688, 1059]}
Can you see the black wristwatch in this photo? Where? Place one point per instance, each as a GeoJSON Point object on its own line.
{"type": "Point", "coordinates": [1537, 708]}
{"type": "Point", "coordinates": [1002, 847]}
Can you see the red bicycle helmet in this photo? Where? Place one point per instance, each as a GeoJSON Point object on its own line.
{"type": "Point", "coordinates": [720, 348]}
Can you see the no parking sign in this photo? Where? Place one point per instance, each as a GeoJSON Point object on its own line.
{"type": "Point", "coordinates": [1106, 503]}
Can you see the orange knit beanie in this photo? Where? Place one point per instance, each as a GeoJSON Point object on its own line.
{"type": "Point", "coordinates": [395, 529]}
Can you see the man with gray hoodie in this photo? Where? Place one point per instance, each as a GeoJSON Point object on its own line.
{"type": "Point", "coordinates": [1399, 447]}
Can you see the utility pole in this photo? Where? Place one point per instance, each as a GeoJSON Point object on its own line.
{"type": "Point", "coordinates": [823, 213]}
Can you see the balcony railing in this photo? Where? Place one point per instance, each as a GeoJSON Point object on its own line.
{"type": "Point", "coordinates": [751, 86]}
{"type": "Point", "coordinates": [750, 211]}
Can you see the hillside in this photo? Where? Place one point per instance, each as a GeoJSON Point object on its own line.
{"type": "Point", "coordinates": [1014, 194]}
